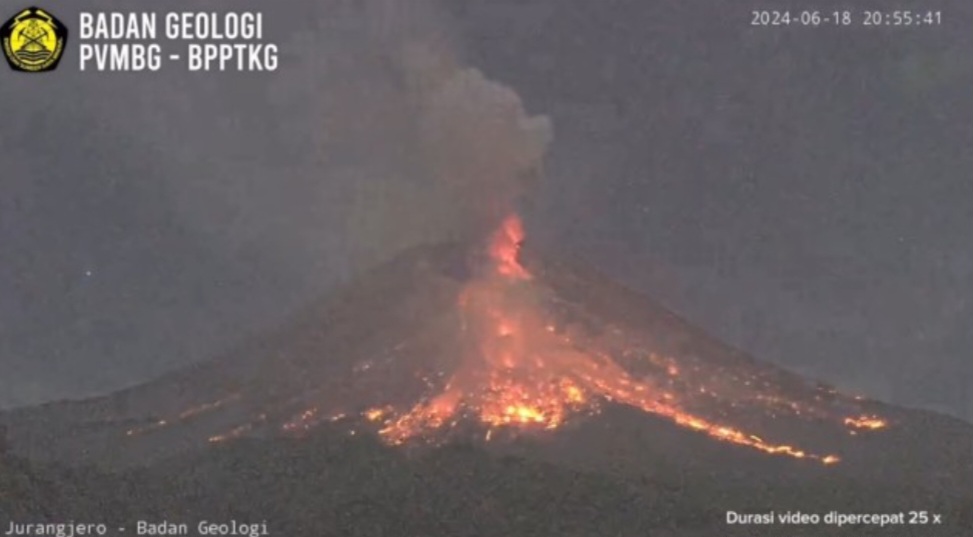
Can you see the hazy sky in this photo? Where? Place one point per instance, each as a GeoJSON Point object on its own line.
{"type": "Point", "coordinates": [804, 194]}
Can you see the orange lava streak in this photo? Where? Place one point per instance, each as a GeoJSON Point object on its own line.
{"type": "Point", "coordinates": [206, 407]}
{"type": "Point", "coordinates": [735, 436]}
{"type": "Point", "coordinates": [866, 422]}
{"type": "Point", "coordinates": [302, 422]}
{"type": "Point", "coordinates": [185, 415]}
{"type": "Point", "coordinates": [504, 247]}
{"type": "Point", "coordinates": [523, 374]}
{"type": "Point", "coordinates": [233, 434]}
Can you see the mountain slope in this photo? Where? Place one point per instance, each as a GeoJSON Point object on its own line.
{"type": "Point", "coordinates": [301, 414]}
{"type": "Point", "coordinates": [392, 333]}
{"type": "Point", "coordinates": [331, 484]}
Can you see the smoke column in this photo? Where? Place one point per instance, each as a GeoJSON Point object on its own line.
{"type": "Point", "coordinates": [479, 150]}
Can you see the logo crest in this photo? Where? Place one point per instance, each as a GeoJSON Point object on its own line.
{"type": "Point", "coordinates": [33, 40]}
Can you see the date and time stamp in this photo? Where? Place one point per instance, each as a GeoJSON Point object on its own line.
{"type": "Point", "coordinates": [844, 18]}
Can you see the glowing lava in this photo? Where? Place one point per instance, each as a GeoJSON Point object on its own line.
{"type": "Point", "coordinates": [866, 422]}
{"type": "Point", "coordinates": [526, 361]}
{"type": "Point", "coordinates": [519, 372]}
{"type": "Point", "coordinates": [505, 247]}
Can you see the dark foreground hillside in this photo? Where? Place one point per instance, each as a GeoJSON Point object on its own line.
{"type": "Point", "coordinates": [333, 484]}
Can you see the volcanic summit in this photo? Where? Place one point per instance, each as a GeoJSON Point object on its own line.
{"type": "Point", "coordinates": [497, 344]}
{"type": "Point", "coordinates": [454, 382]}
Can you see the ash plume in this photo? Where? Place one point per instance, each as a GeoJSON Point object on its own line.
{"type": "Point", "coordinates": [477, 150]}
{"type": "Point", "coordinates": [450, 152]}
{"type": "Point", "coordinates": [479, 143]}
{"type": "Point", "coordinates": [372, 137]}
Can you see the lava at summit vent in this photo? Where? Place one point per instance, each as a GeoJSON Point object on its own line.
{"type": "Point", "coordinates": [522, 372]}
{"type": "Point", "coordinates": [516, 348]}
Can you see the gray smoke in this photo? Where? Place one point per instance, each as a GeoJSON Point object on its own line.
{"type": "Point", "coordinates": [407, 146]}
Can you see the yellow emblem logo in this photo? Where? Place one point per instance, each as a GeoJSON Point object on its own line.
{"type": "Point", "coordinates": [33, 40]}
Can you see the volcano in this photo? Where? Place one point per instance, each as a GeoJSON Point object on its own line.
{"type": "Point", "coordinates": [526, 361]}
{"type": "Point", "coordinates": [489, 386]}
{"type": "Point", "coordinates": [514, 350]}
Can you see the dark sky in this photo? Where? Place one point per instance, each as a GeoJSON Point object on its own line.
{"type": "Point", "coordinates": [806, 194]}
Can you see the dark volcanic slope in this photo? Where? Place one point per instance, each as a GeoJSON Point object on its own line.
{"type": "Point", "coordinates": [916, 446]}
{"type": "Point", "coordinates": [381, 339]}
{"type": "Point", "coordinates": [278, 373]}
{"type": "Point", "coordinates": [329, 483]}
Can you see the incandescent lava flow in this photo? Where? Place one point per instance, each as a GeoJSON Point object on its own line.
{"type": "Point", "coordinates": [520, 371]}
{"type": "Point", "coordinates": [518, 347]}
